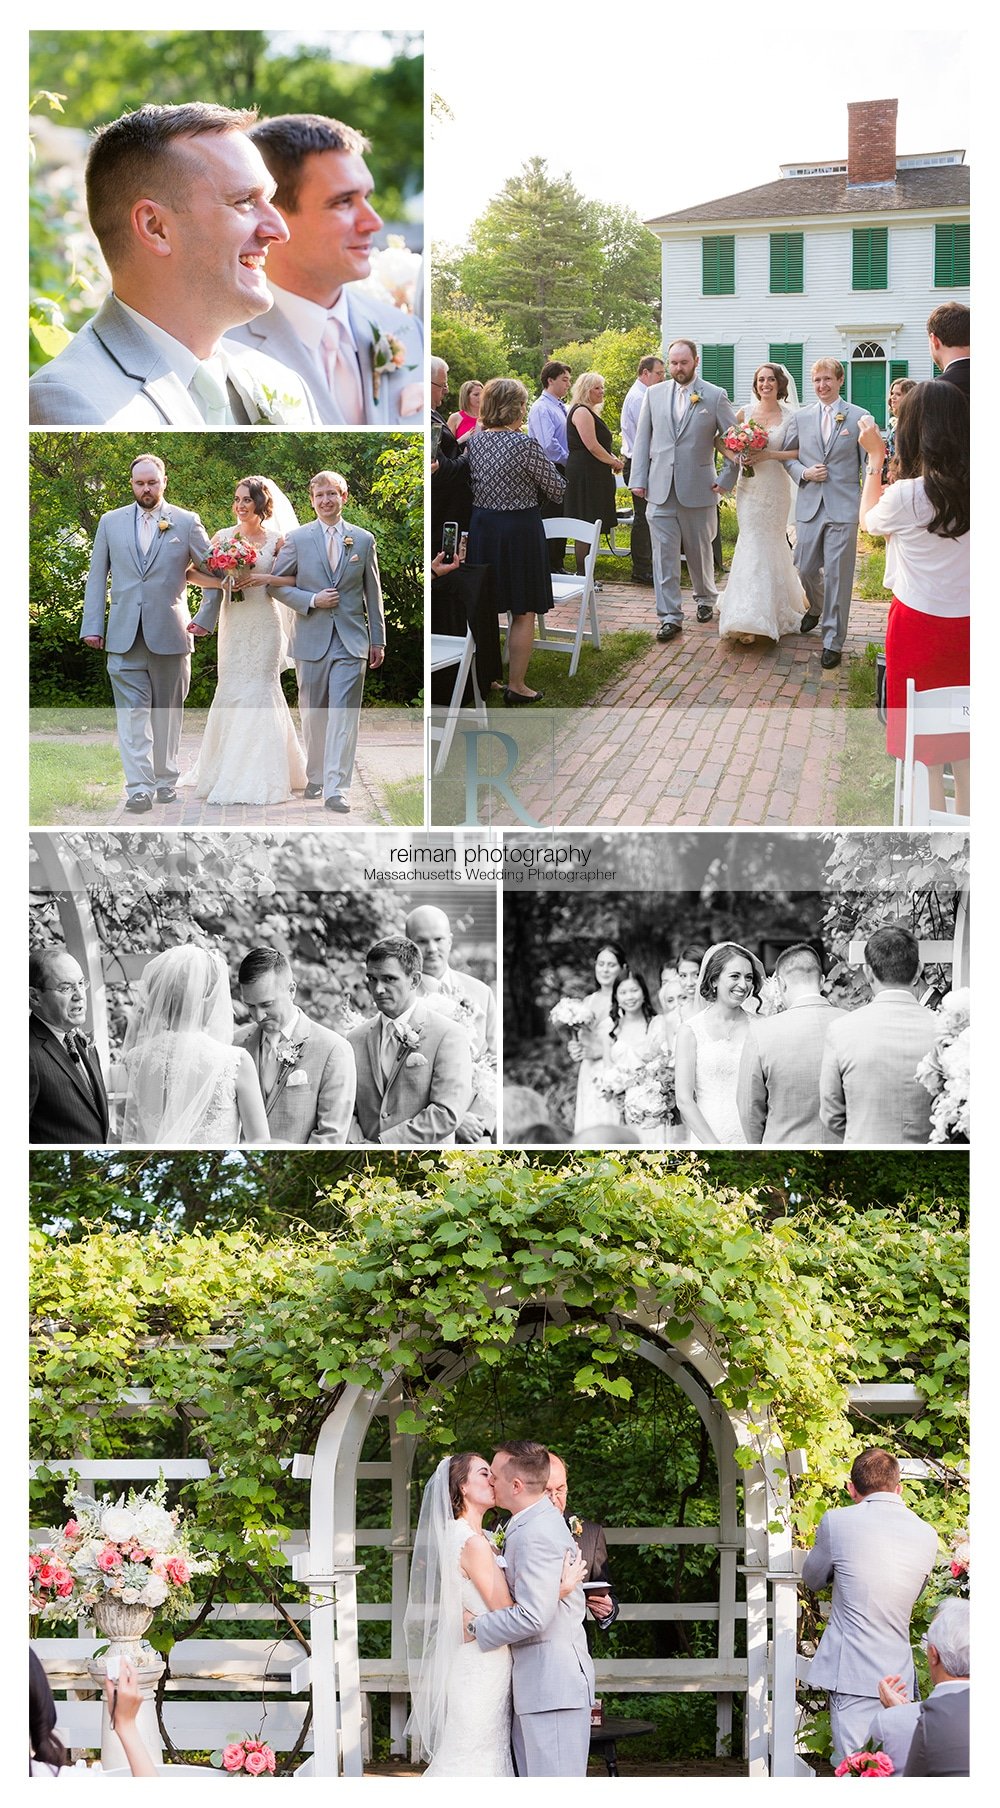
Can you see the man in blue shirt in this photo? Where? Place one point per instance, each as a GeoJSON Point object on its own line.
{"type": "Point", "coordinates": [651, 370]}
{"type": "Point", "coordinates": [547, 424]}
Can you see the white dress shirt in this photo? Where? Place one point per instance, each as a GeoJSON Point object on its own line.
{"type": "Point", "coordinates": [182, 360]}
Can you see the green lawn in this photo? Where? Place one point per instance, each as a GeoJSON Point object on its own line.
{"type": "Point", "coordinates": [65, 779]}
{"type": "Point", "coordinates": [867, 773]}
{"type": "Point", "coordinates": [404, 803]}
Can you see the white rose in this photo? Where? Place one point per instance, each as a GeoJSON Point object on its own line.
{"type": "Point", "coordinates": [155, 1592]}
{"type": "Point", "coordinates": [154, 1528]}
{"type": "Point", "coordinates": [118, 1524]}
{"type": "Point", "coordinates": [131, 1595]}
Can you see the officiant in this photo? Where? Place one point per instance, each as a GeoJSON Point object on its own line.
{"type": "Point", "coordinates": [589, 1535]}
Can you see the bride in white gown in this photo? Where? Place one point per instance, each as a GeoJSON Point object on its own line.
{"type": "Point", "coordinates": [250, 753]}
{"type": "Point", "coordinates": [461, 1695]}
{"type": "Point", "coordinates": [710, 1046]}
{"type": "Point", "coordinates": [763, 595]}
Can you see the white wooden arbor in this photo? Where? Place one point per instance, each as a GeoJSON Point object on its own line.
{"type": "Point", "coordinates": [758, 1548]}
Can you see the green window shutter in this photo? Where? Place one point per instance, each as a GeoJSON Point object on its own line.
{"type": "Point", "coordinates": [898, 367]}
{"type": "Point", "coordinates": [718, 365]}
{"type": "Point", "coordinates": [870, 257]}
{"type": "Point", "coordinates": [786, 263]}
{"type": "Point", "coordinates": [718, 265]}
{"type": "Point", "coordinates": [791, 357]}
{"type": "Point", "coordinates": [951, 257]}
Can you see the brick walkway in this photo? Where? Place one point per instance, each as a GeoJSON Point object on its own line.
{"type": "Point", "coordinates": [700, 731]}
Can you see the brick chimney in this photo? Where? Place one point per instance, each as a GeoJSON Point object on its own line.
{"type": "Point", "coordinates": [871, 142]}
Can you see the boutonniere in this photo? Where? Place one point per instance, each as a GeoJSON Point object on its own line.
{"type": "Point", "coordinates": [288, 1052]}
{"type": "Point", "coordinates": [164, 524]}
{"type": "Point", "coordinates": [498, 1538]}
{"type": "Point", "coordinates": [840, 418]}
{"type": "Point", "coordinates": [275, 408]}
{"type": "Point", "coordinates": [348, 541]}
{"type": "Point", "coordinates": [409, 1035]}
{"type": "Point", "coordinates": [388, 354]}
{"type": "Point", "coordinates": [694, 397]}
{"type": "Point", "coordinates": [576, 1525]}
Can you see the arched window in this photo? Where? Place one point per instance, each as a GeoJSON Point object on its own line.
{"type": "Point", "coordinates": [869, 348]}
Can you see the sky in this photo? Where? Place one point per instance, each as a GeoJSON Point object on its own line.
{"type": "Point", "coordinates": [659, 145]}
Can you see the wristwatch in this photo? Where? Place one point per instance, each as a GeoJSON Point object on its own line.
{"type": "Point", "coordinates": [470, 1627]}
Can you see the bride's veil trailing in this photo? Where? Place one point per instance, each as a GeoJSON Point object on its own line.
{"type": "Point", "coordinates": [177, 1046]}
{"type": "Point", "coordinates": [284, 518]}
{"type": "Point", "coordinates": [432, 1624]}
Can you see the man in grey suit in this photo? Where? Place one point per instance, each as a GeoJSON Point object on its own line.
{"type": "Point", "coordinates": [306, 1071]}
{"type": "Point", "coordinates": [553, 1675]}
{"type": "Point", "coordinates": [673, 467]}
{"type": "Point", "coordinates": [869, 1092]}
{"type": "Point", "coordinates": [338, 633]}
{"type": "Point", "coordinates": [430, 929]}
{"type": "Point", "coordinates": [778, 1094]}
{"type": "Point", "coordinates": [179, 200]}
{"type": "Point", "coordinates": [827, 471]}
{"type": "Point", "coordinates": [878, 1555]}
{"type": "Point", "coordinates": [361, 358]}
{"type": "Point", "coordinates": [414, 1068]}
{"type": "Point", "coordinates": [145, 549]}
{"type": "Point", "coordinates": [943, 1747]}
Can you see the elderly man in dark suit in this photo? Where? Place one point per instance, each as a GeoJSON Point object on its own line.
{"type": "Point", "coordinates": [67, 1102]}
{"type": "Point", "coordinates": [593, 1546]}
{"type": "Point", "coordinates": [942, 1721]}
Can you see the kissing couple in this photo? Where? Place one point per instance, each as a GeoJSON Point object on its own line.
{"type": "Point", "coordinates": [496, 1650]}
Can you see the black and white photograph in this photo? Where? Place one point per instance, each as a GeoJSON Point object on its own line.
{"type": "Point", "coordinates": [722, 990]}
{"type": "Point", "coordinates": [200, 991]}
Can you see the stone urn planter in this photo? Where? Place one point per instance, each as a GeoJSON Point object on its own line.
{"type": "Point", "coordinates": [123, 1622]}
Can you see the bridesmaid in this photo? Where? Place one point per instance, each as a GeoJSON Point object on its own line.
{"type": "Point", "coordinates": [590, 1047]}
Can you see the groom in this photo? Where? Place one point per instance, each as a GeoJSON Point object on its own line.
{"type": "Point", "coordinates": [553, 1673]}
{"type": "Point", "coordinates": [306, 1071]}
{"type": "Point", "coordinates": [145, 549]}
{"type": "Point", "coordinates": [828, 473]}
{"type": "Point", "coordinates": [338, 633]}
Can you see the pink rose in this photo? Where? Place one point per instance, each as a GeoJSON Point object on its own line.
{"type": "Point", "coordinates": [232, 1757]}
{"type": "Point", "coordinates": [64, 1583]}
{"type": "Point", "coordinates": [109, 1559]}
{"type": "Point", "coordinates": [177, 1570]}
{"type": "Point", "coordinates": [34, 1565]}
{"type": "Point", "coordinates": [71, 1529]}
{"type": "Point", "coordinates": [256, 1763]}
{"type": "Point", "coordinates": [46, 1570]}
{"type": "Point", "coordinates": [957, 1569]}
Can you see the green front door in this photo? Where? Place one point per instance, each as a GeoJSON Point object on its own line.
{"type": "Point", "coordinates": [868, 386]}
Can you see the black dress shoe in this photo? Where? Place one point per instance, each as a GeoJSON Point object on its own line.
{"type": "Point", "coordinates": [516, 698]}
{"type": "Point", "coordinates": [138, 805]}
{"type": "Point", "coordinates": [669, 630]}
{"type": "Point", "coordinates": [338, 804]}
{"type": "Point", "coordinates": [642, 577]}
{"type": "Point", "coordinates": [808, 623]}
{"type": "Point", "coordinates": [705, 611]}
{"type": "Point", "coordinates": [829, 658]}
{"type": "Point", "coordinates": [165, 794]}
{"type": "Point", "coordinates": [314, 791]}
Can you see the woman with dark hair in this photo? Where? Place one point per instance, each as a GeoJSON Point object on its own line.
{"type": "Point", "coordinates": [589, 1046]}
{"type": "Point", "coordinates": [924, 518]}
{"type": "Point", "coordinates": [763, 594]}
{"type": "Point", "coordinates": [250, 752]}
{"type": "Point", "coordinates": [47, 1755]}
{"type": "Point", "coordinates": [688, 968]}
{"type": "Point", "coordinates": [710, 1046]}
{"type": "Point", "coordinates": [637, 1034]}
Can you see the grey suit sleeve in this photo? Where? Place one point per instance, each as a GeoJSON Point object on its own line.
{"type": "Point", "coordinates": [817, 1570]}
{"type": "Point", "coordinates": [286, 565]}
{"type": "Point", "coordinates": [751, 1095]}
{"type": "Point", "coordinates": [373, 598]}
{"type": "Point", "coordinates": [57, 404]}
{"type": "Point", "coordinates": [725, 414]}
{"type": "Point", "coordinates": [539, 1573]}
{"type": "Point", "coordinates": [795, 466]}
{"type": "Point", "coordinates": [728, 477]}
{"type": "Point", "coordinates": [916, 1759]}
{"type": "Point", "coordinates": [335, 1100]}
{"type": "Point", "coordinates": [450, 1095]}
{"type": "Point", "coordinates": [832, 1101]}
{"type": "Point", "coordinates": [639, 468]}
{"type": "Point", "coordinates": [95, 601]}
{"type": "Point", "coordinates": [491, 1022]}
{"type": "Point", "coordinates": [199, 547]}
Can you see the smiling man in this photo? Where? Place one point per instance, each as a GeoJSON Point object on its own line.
{"type": "Point", "coordinates": [180, 201]}
{"type": "Point", "coordinates": [362, 358]}
{"type": "Point", "coordinates": [414, 1067]}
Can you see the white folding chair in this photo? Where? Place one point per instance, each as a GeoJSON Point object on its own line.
{"type": "Point", "coordinates": [566, 587]}
{"type": "Point", "coordinates": [944, 711]}
{"type": "Point", "coordinates": [448, 650]}
{"type": "Point", "coordinates": [624, 521]}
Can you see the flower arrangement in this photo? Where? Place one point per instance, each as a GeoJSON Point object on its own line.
{"type": "Point", "coordinates": [944, 1072]}
{"type": "Point", "coordinates": [233, 557]}
{"type": "Point", "coordinates": [245, 1757]}
{"type": "Point", "coordinates": [750, 437]}
{"type": "Point", "coordinates": [572, 1014]}
{"type": "Point", "coordinates": [132, 1550]}
{"type": "Point", "coordinates": [870, 1761]}
{"type": "Point", "coordinates": [643, 1089]}
{"type": "Point", "coordinates": [960, 1563]}
{"type": "Point", "coordinates": [393, 274]}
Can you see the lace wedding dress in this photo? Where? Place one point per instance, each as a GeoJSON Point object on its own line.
{"type": "Point", "coordinates": [250, 753]}
{"type": "Point", "coordinates": [476, 1737]}
{"type": "Point", "coordinates": [763, 594]}
{"type": "Point", "coordinates": [182, 1091]}
{"type": "Point", "coordinates": [716, 1073]}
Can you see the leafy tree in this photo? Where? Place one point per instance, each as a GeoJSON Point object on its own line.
{"type": "Point", "coordinates": [471, 345]}
{"type": "Point", "coordinates": [628, 290]}
{"type": "Point", "coordinates": [616, 355]}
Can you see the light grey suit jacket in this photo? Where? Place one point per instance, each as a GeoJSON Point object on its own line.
{"type": "Point", "coordinates": [428, 1091]}
{"type": "Point", "coordinates": [683, 456]}
{"type": "Point", "coordinates": [156, 597]}
{"type": "Point", "coordinates": [878, 1555]}
{"type": "Point", "coordinates": [273, 334]}
{"type": "Point", "coordinates": [359, 616]}
{"type": "Point", "coordinates": [779, 1075]}
{"type": "Point", "coordinates": [312, 1102]}
{"type": "Point", "coordinates": [112, 375]}
{"type": "Point", "coordinates": [552, 1666]}
{"type": "Point", "coordinates": [840, 492]}
{"type": "Point", "coordinates": [940, 1745]}
{"type": "Point", "coordinates": [868, 1092]}
{"type": "Point", "coordinates": [482, 1032]}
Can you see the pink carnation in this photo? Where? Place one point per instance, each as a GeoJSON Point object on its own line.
{"type": "Point", "coordinates": [177, 1570]}
{"type": "Point", "coordinates": [109, 1559]}
{"type": "Point", "coordinates": [232, 1757]}
{"type": "Point", "coordinates": [255, 1763]}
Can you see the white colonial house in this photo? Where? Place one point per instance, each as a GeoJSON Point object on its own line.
{"type": "Point", "coordinates": [844, 259]}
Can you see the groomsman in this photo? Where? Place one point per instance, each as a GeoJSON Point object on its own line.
{"type": "Point", "coordinates": [362, 359]}
{"type": "Point", "coordinates": [827, 471]}
{"type": "Point", "coordinates": [651, 371]}
{"type": "Point", "coordinates": [590, 1537]}
{"type": "Point", "coordinates": [67, 1102]}
{"type": "Point", "coordinates": [414, 1067]}
{"type": "Point", "coordinates": [306, 1071]}
{"type": "Point", "coordinates": [430, 929]}
{"type": "Point", "coordinates": [783, 1055]}
{"type": "Point", "coordinates": [948, 339]}
{"type": "Point", "coordinates": [869, 1092]}
{"type": "Point", "coordinates": [878, 1555]}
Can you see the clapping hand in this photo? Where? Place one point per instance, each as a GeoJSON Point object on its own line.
{"type": "Point", "coordinates": [870, 438]}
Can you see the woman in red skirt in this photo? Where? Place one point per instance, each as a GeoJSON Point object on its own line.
{"type": "Point", "coordinates": [924, 517]}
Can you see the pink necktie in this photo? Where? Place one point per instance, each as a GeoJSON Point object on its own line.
{"type": "Point", "coordinates": [341, 365]}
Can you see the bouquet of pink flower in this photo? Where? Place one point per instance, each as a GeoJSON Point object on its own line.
{"type": "Point", "coordinates": [652, 1094]}
{"type": "Point", "coordinates": [49, 1580]}
{"type": "Point", "coordinates": [232, 558]}
{"type": "Point", "coordinates": [870, 1761]}
{"type": "Point", "coordinates": [573, 1014]}
{"type": "Point", "coordinates": [750, 437]}
{"type": "Point", "coordinates": [132, 1549]}
{"type": "Point", "coordinates": [245, 1757]}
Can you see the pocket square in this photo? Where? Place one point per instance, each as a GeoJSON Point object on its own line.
{"type": "Point", "coordinates": [353, 559]}
{"type": "Point", "coordinates": [298, 1078]}
{"type": "Point", "coordinates": [411, 400]}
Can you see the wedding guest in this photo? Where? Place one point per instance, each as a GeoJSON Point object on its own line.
{"type": "Point", "coordinates": [187, 268]}
{"type": "Point", "coordinates": [510, 475]}
{"type": "Point", "coordinates": [361, 357]}
{"type": "Point", "coordinates": [306, 1071]}
{"type": "Point", "coordinates": [688, 968]}
{"type": "Point", "coordinates": [589, 1046]}
{"type": "Point", "coordinates": [710, 1046]}
{"type": "Point", "coordinates": [47, 1755]}
{"type": "Point", "coordinates": [589, 1535]}
{"type": "Point", "coordinates": [668, 998]}
{"type": "Point", "coordinates": [780, 1067]}
{"type": "Point", "coordinates": [430, 928]}
{"type": "Point", "coordinates": [897, 391]}
{"type": "Point", "coordinates": [924, 517]}
{"type": "Point", "coordinates": [466, 417]}
{"type": "Point", "coordinates": [591, 466]}
{"type": "Point", "coordinates": [547, 425]}
{"type": "Point", "coordinates": [944, 1714]}
{"type": "Point", "coordinates": [67, 1102]}
{"type": "Point", "coordinates": [651, 370]}
{"type": "Point", "coordinates": [414, 1067]}
{"type": "Point", "coordinates": [637, 1034]}
{"type": "Point", "coordinates": [451, 494]}
{"type": "Point", "coordinates": [948, 340]}
{"type": "Point", "coordinates": [878, 1555]}
{"type": "Point", "coordinates": [868, 1085]}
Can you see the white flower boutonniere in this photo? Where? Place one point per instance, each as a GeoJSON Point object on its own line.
{"type": "Point", "coordinates": [840, 418]}
{"type": "Point", "coordinates": [278, 409]}
{"type": "Point", "coordinates": [288, 1053]}
{"type": "Point", "coordinates": [388, 354]}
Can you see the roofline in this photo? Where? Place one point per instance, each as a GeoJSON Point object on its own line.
{"type": "Point", "coordinates": [761, 222]}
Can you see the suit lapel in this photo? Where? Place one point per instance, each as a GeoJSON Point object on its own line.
{"type": "Point", "coordinates": [68, 1066]}
{"type": "Point", "coordinates": [286, 1067]}
{"type": "Point", "coordinates": [129, 537]}
{"type": "Point", "coordinates": [361, 333]}
{"type": "Point", "coordinates": [124, 341]}
{"type": "Point", "coordinates": [320, 532]}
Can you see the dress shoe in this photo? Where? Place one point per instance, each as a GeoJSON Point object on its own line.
{"type": "Point", "coordinates": [314, 791]}
{"type": "Point", "coordinates": [808, 623]}
{"type": "Point", "coordinates": [669, 630]}
{"type": "Point", "coordinates": [705, 611]}
{"type": "Point", "coordinates": [165, 794]}
{"type": "Point", "coordinates": [829, 658]}
{"type": "Point", "coordinates": [642, 577]}
{"type": "Point", "coordinates": [138, 805]}
{"type": "Point", "coordinates": [516, 698]}
{"type": "Point", "coordinates": [338, 804]}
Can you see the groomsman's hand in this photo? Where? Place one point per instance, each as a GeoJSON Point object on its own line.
{"type": "Point", "coordinates": [326, 599]}
{"type": "Point", "coordinates": [815, 473]}
{"type": "Point", "coordinates": [198, 633]}
{"type": "Point", "coordinates": [636, 492]}
{"type": "Point", "coordinates": [94, 640]}
{"type": "Point", "coordinates": [375, 657]}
